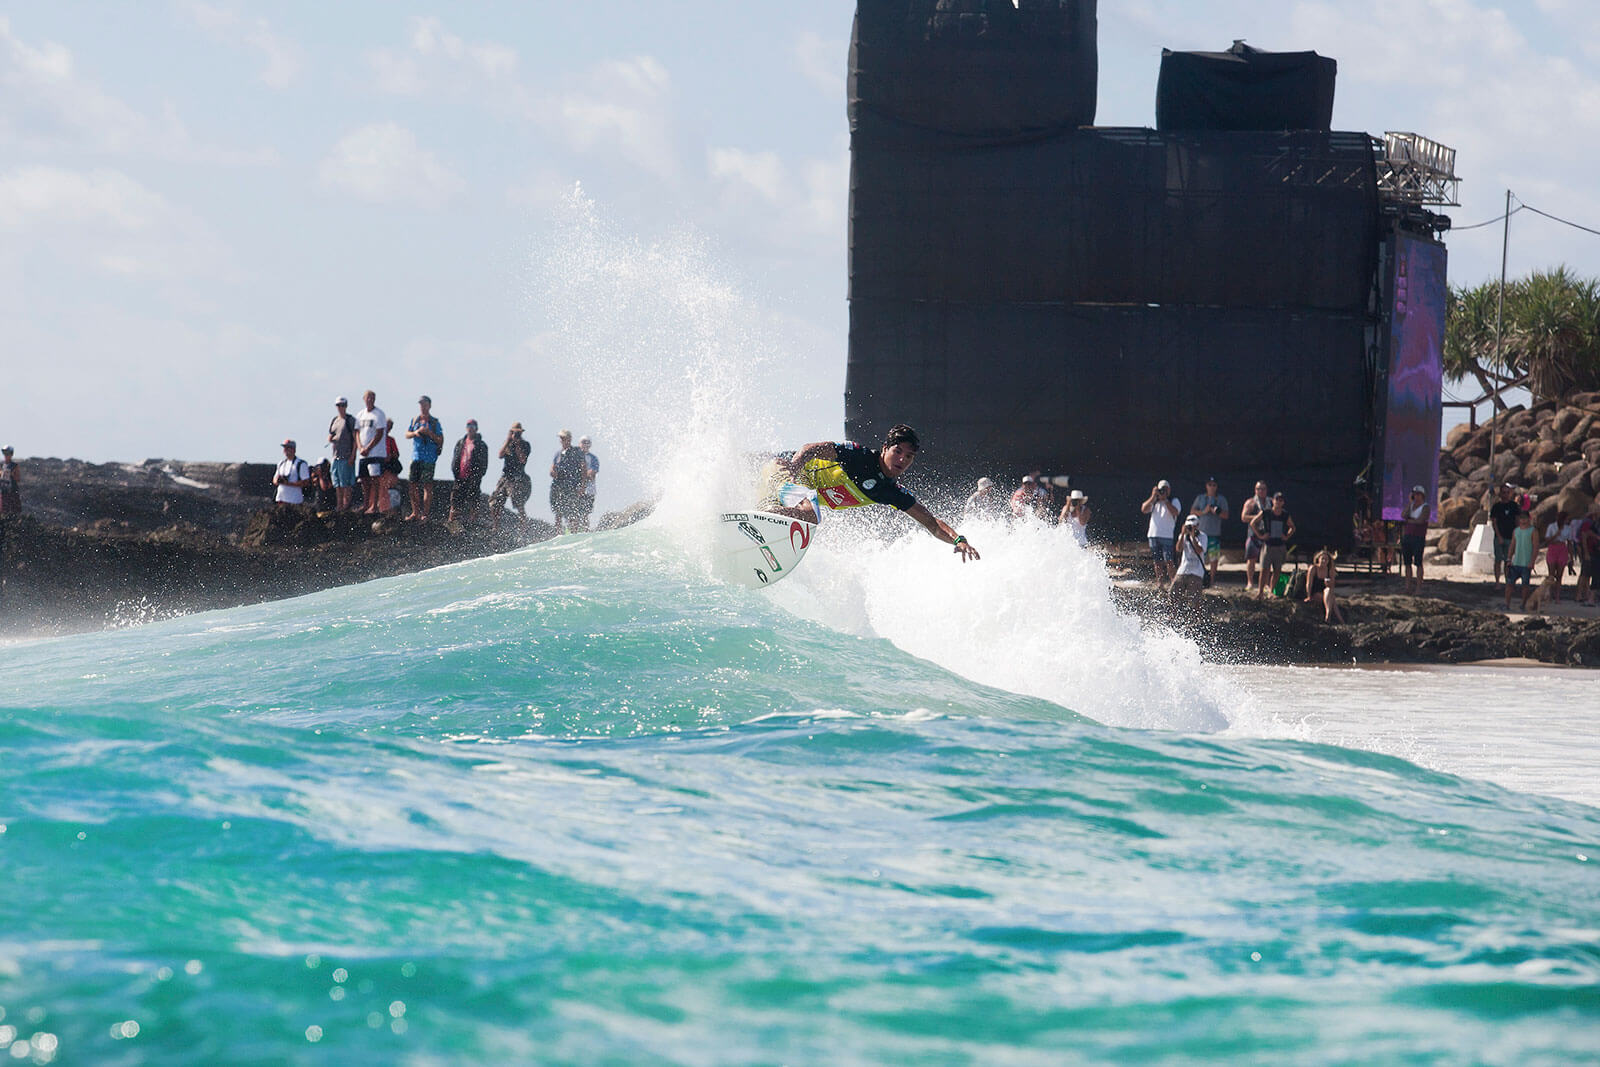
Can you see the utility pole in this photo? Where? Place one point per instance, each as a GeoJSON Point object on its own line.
{"type": "Point", "coordinates": [1499, 316]}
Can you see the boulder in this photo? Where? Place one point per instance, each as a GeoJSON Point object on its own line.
{"type": "Point", "coordinates": [1480, 516]}
{"type": "Point", "coordinates": [1477, 444]}
{"type": "Point", "coordinates": [1590, 401]}
{"type": "Point", "coordinates": [1457, 512]}
{"type": "Point", "coordinates": [1573, 441]}
{"type": "Point", "coordinates": [1505, 467]}
{"type": "Point", "coordinates": [1458, 433]}
{"type": "Point", "coordinates": [1523, 450]}
{"type": "Point", "coordinates": [1566, 420]}
{"type": "Point", "coordinates": [1594, 481]}
{"type": "Point", "coordinates": [1541, 473]}
{"type": "Point", "coordinates": [1575, 472]}
{"type": "Point", "coordinates": [1454, 541]}
{"type": "Point", "coordinates": [1547, 452]}
{"type": "Point", "coordinates": [1520, 419]}
{"type": "Point", "coordinates": [1468, 464]}
{"type": "Point", "coordinates": [1571, 501]}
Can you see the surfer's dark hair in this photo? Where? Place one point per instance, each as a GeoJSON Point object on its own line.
{"type": "Point", "coordinates": [901, 434]}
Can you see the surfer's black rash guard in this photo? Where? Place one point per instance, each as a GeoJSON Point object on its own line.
{"type": "Point", "coordinates": [853, 480]}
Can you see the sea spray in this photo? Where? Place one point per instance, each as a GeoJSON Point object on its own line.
{"type": "Point", "coordinates": [680, 370]}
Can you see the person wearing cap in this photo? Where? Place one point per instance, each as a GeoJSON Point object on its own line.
{"type": "Point", "coordinates": [841, 474]}
{"type": "Point", "coordinates": [1413, 535]}
{"type": "Point", "coordinates": [1022, 500]}
{"type": "Point", "coordinates": [427, 439]}
{"type": "Point", "coordinates": [1075, 517]}
{"type": "Point", "coordinates": [983, 502]}
{"type": "Point", "coordinates": [10, 491]}
{"type": "Point", "coordinates": [1503, 522]}
{"type": "Point", "coordinates": [1163, 528]}
{"type": "Point", "coordinates": [291, 476]}
{"type": "Point", "coordinates": [591, 472]}
{"type": "Point", "coordinates": [371, 451]}
{"type": "Point", "coordinates": [514, 483]}
{"type": "Point", "coordinates": [568, 471]}
{"type": "Point", "coordinates": [1191, 552]}
{"type": "Point", "coordinates": [1273, 529]}
{"type": "Point", "coordinates": [342, 439]}
{"type": "Point", "coordinates": [1256, 505]}
{"type": "Point", "coordinates": [1211, 507]}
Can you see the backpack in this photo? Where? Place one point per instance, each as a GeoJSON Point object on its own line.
{"type": "Point", "coordinates": [571, 469]}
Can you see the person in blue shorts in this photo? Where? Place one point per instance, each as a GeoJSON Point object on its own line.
{"type": "Point", "coordinates": [842, 474]}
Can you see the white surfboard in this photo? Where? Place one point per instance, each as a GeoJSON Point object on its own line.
{"type": "Point", "coordinates": [758, 548]}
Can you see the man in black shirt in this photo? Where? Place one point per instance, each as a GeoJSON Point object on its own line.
{"type": "Point", "coordinates": [842, 474]}
{"type": "Point", "coordinates": [1503, 522]}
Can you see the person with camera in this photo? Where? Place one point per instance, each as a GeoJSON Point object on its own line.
{"type": "Point", "coordinates": [1075, 517]}
{"type": "Point", "coordinates": [514, 482]}
{"type": "Point", "coordinates": [1191, 551]}
{"type": "Point", "coordinates": [1162, 532]}
{"type": "Point", "coordinates": [1211, 507]}
{"type": "Point", "coordinates": [291, 477]}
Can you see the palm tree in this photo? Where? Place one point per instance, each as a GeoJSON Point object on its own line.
{"type": "Point", "coordinates": [1549, 338]}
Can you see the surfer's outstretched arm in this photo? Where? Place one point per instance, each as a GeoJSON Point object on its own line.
{"type": "Point", "coordinates": [940, 529]}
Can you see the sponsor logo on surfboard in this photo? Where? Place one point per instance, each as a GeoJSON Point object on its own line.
{"type": "Point", "coordinates": [772, 561]}
{"type": "Point", "coordinates": [804, 530]}
{"type": "Point", "coordinates": [752, 533]}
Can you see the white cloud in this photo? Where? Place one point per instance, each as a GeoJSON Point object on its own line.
{"type": "Point", "coordinates": [103, 218]}
{"type": "Point", "coordinates": [433, 59]}
{"type": "Point", "coordinates": [46, 105]}
{"type": "Point", "coordinates": [621, 106]}
{"type": "Point", "coordinates": [383, 163]}
{"type": "Point", "coordinates": [822, 61]}
{"type": "Point", "coordinates": [281, 58]}
{"type": "Point", "coordinates": [761, 172]}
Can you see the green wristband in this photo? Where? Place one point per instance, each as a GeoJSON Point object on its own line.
{"type": "Point", "coordinates": [959, 540]}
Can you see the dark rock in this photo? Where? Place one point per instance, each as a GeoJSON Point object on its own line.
{"type": "Point", "coordinates": [1542, 473]}
{"type": "Point", "coordinates": [1456, 513]}
{"type": "Point", "coordinates": [1458, 433]}
{"type": "Point", "coordinates": [1454, 541]}
{"type": "Point", "coordinates": [1566, 420]}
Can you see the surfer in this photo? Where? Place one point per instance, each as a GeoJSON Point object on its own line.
{"type": "Point", "coordinates": [844, 475]}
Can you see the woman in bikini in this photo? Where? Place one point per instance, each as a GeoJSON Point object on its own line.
{"type": "Point", "coordinates": [1320, 580]}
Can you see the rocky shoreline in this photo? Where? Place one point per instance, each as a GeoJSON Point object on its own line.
{"type": "Point", "coordinates": [110, 545]}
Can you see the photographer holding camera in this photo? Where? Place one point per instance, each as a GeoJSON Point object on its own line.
{"type": "Point", "coordinates": [1163, 512]}
{"type": "Point", "coordinates": [1191, 548]}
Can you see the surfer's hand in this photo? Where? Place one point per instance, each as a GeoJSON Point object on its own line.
{"type": "Point", "coordinates": [964, 549]}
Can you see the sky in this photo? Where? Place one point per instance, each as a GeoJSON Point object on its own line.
{"type": "Point", "coordinates": [215, 217]}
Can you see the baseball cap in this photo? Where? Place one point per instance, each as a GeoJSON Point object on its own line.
{"type": "Point", "coordinates": [288, 442]}
{"type": "Point", "coordinates": [472, 422]}
{"type": "Point", "coordinates": [1028, 478]}
{"type": "Point", "coordinates": [424, 399]}
{"type": "Point", "coordinates": [6, 450]}
{"type": "Point", "coordinates": [1192, 520]}
{"type": "Point", "coordinates": [1212, 480]}
{"type": "Point", "coordinates": [585, 440]}
{"type": "Point", "coordinates": [341, 401]}
{"type": "Point", "coordinates": [984, 483]}
{"type": "Point", "coordinates": [1163, 484]}
{"type": "Point", "coordinates": [1418, 489]}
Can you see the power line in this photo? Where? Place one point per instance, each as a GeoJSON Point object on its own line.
{"type": "Point", "coordinates": [1491, 222]}
{"type": "Point", "coordinates": [1553, 218]}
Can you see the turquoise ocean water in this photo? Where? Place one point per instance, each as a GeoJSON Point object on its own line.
{"type": "Point", "coordinates": [585, 804]}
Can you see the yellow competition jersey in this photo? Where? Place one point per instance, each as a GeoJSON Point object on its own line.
{"type": "Point", "coordinates": [853, 480]}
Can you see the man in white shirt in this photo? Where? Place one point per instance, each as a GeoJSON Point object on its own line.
{"type": "Point", "coordinates": [1191, 550]}
{"type": "Point", "coordinates": [1163, 512]}
{"type": "Point", "coordinates": [291, 476]}
{"type": "Point", "coordinates": [372, 427]}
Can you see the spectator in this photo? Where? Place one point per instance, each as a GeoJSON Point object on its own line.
{"type": "Point", "coordinates": [390, 483]}
{"type": "Point", "coordinates": [984, 503]}
{"type": "Point", "coordinates": [1413, 538]}
{"type": "Point", "coordinates": [1044, 497]}
{"type": "Point", "coordinates": [1521, 555]}
{"type": "Point", "coordinates": [1588, 548]}
{"type": "Point", "coordinates": [427, 439]}
{"type": "Point", "coordinates": [371, 451]}
{"type": "Point", "coordinates": [1162, 532]}
{"type": "Point", "coordinates": [319, 491]}
{"type": "Point", "coordinates": [1320, 580]}
{"type": "Point", "coordinates": [10, 491]}
{"type": "Point", "coordinates": [1273, 529]}
{"type": "Point", "coordinates": [468, 465]}
{"type": "Point", "coordinates": [514, 481]}
{"type": "Point", "coordinates": [567, 473]}
{"type": "Point", "coordinates": [1503, 524]}
{"type": "Point", "coordinates": [1211, 507]}
{"type": "Point", "coordinates": [1372, 533]}
{"type": "Point", "coordinates": [1022, 500]}
{"type": "Point", "coordinates": [591, 473]}
{"type": "Point", "coordinates": [1256, 505]}
{"type": "Point", "coordinates": [1191, 551]}
{"type": "Point", "coordinates": [1557, 539]}
{"type": "Point", "coordinates": [291, 477]}
{"type": "Point", "coordinates": [1075, 517]}
{"type": "Point", "coordinates": [342, 436]}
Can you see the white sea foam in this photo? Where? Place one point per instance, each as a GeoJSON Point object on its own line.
{"type": "Point", "coordinates": [676, 364]}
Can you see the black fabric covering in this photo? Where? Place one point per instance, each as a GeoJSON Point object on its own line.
{"type": "Point", "coordinates": [1245, 88]}
{"type": "Point", "coordinates": [1114, 216]}
{"type": "Point", "coordinates": [979, 67]}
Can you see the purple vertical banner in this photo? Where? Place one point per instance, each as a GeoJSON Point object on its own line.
{"type": "Point", "coordinates": [1415, 409]}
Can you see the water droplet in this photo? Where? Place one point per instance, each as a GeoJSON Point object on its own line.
{"type": "Point", "coordinates": [1255, 957]}
{"type": "Point", "coordinates": [1582, 858]}
{"type": "Point", "coordinates": [397, 1008]}
{"type": "Point", "coordinates": [192, 967]}
{"type": "Point", "coordinates": [82, 836]}
{"type": "Point", "coordinates": [408, 970]}
{"type": "Point", "coordinates": [339, 973]}
{"type": "Point", "coordinates": [226, 825]}
{"type": "Point", "coordinates": [164, 974]}
{"type": "Point", "coordinates": [313, 1033]}
{"type": "Point", "coordinates": [313, 961]}
{"type": "Point", "coordinates": [336, 993]}
{"type": "Point", "coordinates": [398, 1026]}
{"type": "Point", "coordinates": [374, 1019]}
